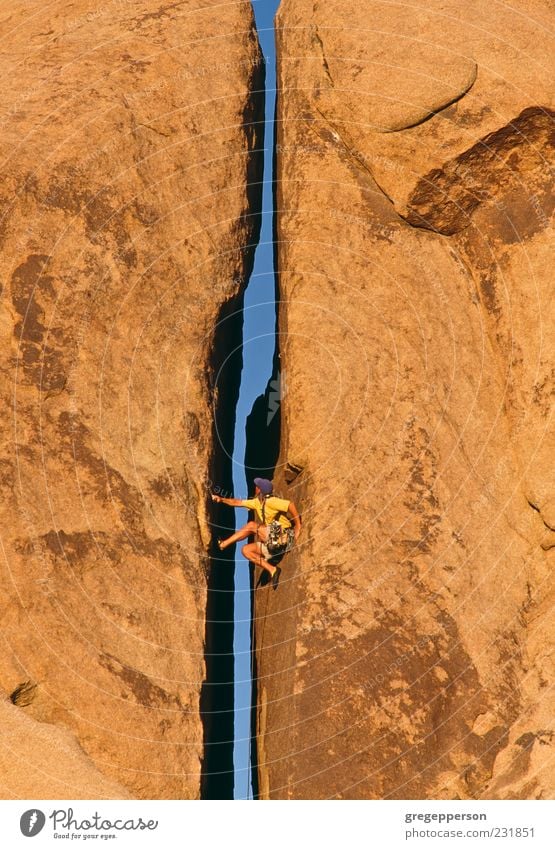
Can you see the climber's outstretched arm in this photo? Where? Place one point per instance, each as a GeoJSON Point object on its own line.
{"type": "Point", "coordinates": [294, 513]}
{"type": "Point", "coordinates": [231, 502]}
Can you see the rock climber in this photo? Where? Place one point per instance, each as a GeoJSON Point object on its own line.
{"type": "Point", "coordinates": [274, 530]}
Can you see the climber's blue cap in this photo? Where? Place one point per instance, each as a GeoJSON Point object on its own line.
{"type": "Point", "coordinates": [265, 486]}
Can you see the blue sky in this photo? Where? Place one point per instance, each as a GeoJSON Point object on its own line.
{"type": "Point", "coordinates": [258, 351]}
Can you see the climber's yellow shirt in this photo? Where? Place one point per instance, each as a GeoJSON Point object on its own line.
{"type": "Point", "coordinates": [273, 507]}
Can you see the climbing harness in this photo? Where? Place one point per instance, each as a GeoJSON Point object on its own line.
{"type": "Point", "coordinates": [280, 540]}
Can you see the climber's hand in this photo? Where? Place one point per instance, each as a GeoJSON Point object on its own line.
{"type": "Point", "coordinates": [216, 498]}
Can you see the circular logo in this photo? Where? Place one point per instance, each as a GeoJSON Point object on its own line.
{"type": "Point", "coordinates": [32, 822]}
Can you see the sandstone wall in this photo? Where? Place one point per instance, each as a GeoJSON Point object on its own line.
{"type": "Point", "coordinates": [406, 653]}
{"type": "Point", "coordinates": [127, 143]}
{"type": "Point", "coordinates": [43, 761]}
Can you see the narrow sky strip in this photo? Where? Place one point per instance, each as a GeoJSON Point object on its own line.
{"type": "Point", "coordinates": [258, 351]}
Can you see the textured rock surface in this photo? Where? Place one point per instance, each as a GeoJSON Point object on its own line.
{"type": "Point", "coordinates": [41, 761]}
{"type": "Point", "coordinates": [407, 652]}
{"type": "Point", "coordinates": [126, 139]}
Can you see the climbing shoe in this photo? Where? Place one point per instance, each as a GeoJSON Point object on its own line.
{"type": "Point", "coordinates": [275, 578]}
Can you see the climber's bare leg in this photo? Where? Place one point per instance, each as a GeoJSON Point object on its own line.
{"type": "Point", "coordinates": [244, 532]}
{"type": "Point", "coordinates": [262, 532]}
{"type": "Point", "coordinates": [252, 552]}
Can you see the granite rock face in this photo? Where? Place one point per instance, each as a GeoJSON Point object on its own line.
{"type": "Point", "coordinates": [128, 201]}
{"type": "Point", "coordinates": [406, 653]}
